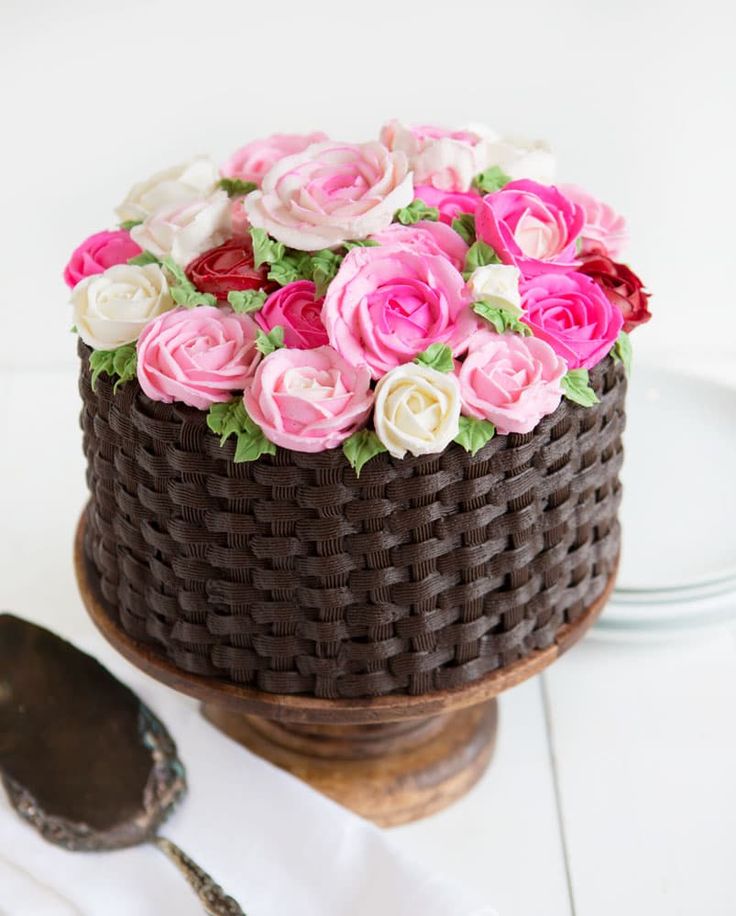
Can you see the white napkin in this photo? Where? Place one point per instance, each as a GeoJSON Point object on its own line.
{"type": "Point", "coordinates": [273, 843]}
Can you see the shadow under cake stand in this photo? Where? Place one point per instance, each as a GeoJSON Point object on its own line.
{"type": "Point", "coordinates": [392, 758]}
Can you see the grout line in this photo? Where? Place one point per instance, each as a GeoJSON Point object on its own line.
{"type": "Point", "coordinates": [556, 784]}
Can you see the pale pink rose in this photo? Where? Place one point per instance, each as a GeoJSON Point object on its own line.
{"type": "Point", "coordinates": [252, 161]}
{"type": "Point", "coordinates": [530, 225]}
{"type": "Point", "coordinates": [573, 314]}
{"type": "Point", "coordinates": [388, 304]}
{"type": "Point", "coordinates": [308, 400]}
{"type": "Point", "coordinates": [451, 204]}
{"type": "Point", "coordinates": [295, 308]}
{"type": "Point", "coordinates": [98, 252]}
{"type": "Point", "coordinates": [446, 159]}
{"type": "Point", "coordinates": [330, 193]}
{"type": "Point", "coordinates": [512, 381]}
{"type": "Point", "coordinates": [185, 231]}
{"type": "Point", "coordinates": [604, 230]}
{"type": "Point", "coordinates": [238, 217]}
{"type": "Point", "coordinates": [426, 237]}
{"type": "Point", "coordinates": [197, 356]}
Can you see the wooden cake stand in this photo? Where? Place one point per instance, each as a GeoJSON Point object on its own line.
{"type": "Point", "coordinates": [392, 758]}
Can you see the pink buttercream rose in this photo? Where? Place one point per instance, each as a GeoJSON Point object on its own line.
{"type": "Point", "coordinates": [252, 161]}
{"type": "Point", "coordinates": [308, 400]}
{"type": "Point", "coordinates": [198, 356]}
{"type": "Point", "coordinates": [530, 225]}
{"type": "Point", "coordinates": [295, 308]}
{"type": "Point", "coordinates": [426, 237]}
{"type": "Point", "coordinates": [388, 304]}
{"type": "Point", "coordinates": [330, 193]}
{"type": "Point", "coordinates": [98, 252]}
{"type": "Point", "coordinates": [446, 159]}
{"type": "Point", "coordinates": [512, 381]}
{"type": "Point", "coordinates": [450, 204]}
{"type": "Point", "coordinates": [573, 314]}
{"type": "Point", "coordinates": [604, 231]}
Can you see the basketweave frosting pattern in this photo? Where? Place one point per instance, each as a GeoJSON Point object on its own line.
{"type": "Point", "coordinates": [291, 575]}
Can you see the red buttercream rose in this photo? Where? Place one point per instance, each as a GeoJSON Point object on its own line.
{"type": "Point", "coordinates": [227, 267]}
{"type": "Point", "coordinates": [622, 286]}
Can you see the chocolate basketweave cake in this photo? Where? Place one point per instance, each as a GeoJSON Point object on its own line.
{"type": "Point", "coordinates": [352, 412]}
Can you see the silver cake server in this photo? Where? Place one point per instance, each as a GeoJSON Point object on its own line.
{"type": "Point", "coordinates": [83, 759]}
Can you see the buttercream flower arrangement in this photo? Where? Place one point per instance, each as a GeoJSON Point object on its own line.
{"type": "Point", "coordinates": [396, 295]}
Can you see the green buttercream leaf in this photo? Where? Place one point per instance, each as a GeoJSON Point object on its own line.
{"type": "Point", "coordinates": [473, 434]}
{"type": "Point", "coordinates": [464, 225]}
{"type": "Point", "coordinates": [73, 329]}
{"type": "Point", "coordinates": [491, 180]}
{"type": "Point", "coordinates": [359, 243]}
{"type": "Point", "coordinates": [479, 255]}
{"type": "Point", "coordinates": [500, 319]}
{"type": "Point", "coordinates": [247, 300]}
{"type": "Point", "coordinates": [182, 290]}
{"type": "Point", "coordinates": [416, 211]}
{"type": "Point", "coordinates": [119, 364]}
{"type": "Point", "coordinates": [621, 351]}
{"type": "Point", "coordinates": [236, 187]}
{"type": "Point", "coordinates": [129, 224]}
{"type": "Point", "coordinates": [361, 447]}
{"type": "Point", "coordinates": [145, 257]}
{"type": "Point", "coordinates": [576, 388]}
{"type": "Point", "coordinates": [190, 298]}
{"type": "Point", "coordinates": [265, 249]}
{"type": "Point", "coordinates": [324, 266]}
{"type": "Point", "coordinates": [437, 356]}
{"type": "Point", "coordinates": [267, 343]}
{"type": "Point", "coordinates": [231, 419]}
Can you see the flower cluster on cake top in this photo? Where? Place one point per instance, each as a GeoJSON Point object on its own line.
{"type": "Point", "coordinates": [396, 295]}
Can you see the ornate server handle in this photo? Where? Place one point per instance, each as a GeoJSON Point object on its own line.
{"type": "Point", "coordinates": [212, 897]}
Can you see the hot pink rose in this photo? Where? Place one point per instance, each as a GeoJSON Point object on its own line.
{"type": "Point", "coordinates": [445, 159]}
{"type": "Point", "coordinates": [573, 314]}
{"type": "Point", "coordinates": [388, 304]}
{"type": "Point", "coordinates": [512, 381]}
{"type": "Point", "coordinates": [426, 237]}
{"type": "Point", "coordinates": [98, 252]}
{"type": "Point", "coordinates": [451, 204]}
{"type": "Point", "coordinates": [532, 226]}
{"type": "Point", "coordinates": [308, 400]}
{"type": "Point", "coordinates": [295, 308]}
{"type": "Point", "coordinates": [604, 231]}
{"type": "Point", "coordinates": [252, 161]}
{"type": "Point", "coordinates": [330, 193]}
{"type": "Point", "coordinates": [198, 356]}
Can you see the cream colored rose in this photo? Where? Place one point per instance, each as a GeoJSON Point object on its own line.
{"type": "Point", "coordinates": [497, 284]}
{"type": "Point", "coordinates": [185, 231]}
{"type": "Point", "coordinates": [518, 157]}
{"type": "Point", "coordinates": [112, 308]}
{"type": "Point", "coordinates": [172, 187]}
{"type": "Point", "coordinates": [417, 410]}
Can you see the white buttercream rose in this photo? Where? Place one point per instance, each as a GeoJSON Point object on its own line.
{"type": "Point", "coordinates": [497, 284]}
{"type": "Point", "coordinates": [112, 308]}
{"type": "Point", "coordinates": [172, 187]}
{"type": "Point", "coordinates": [330, 193]}
{"type": "Point", "coordinates": [417, 410]}
{"type": "Point", "coordinates": [185, 231]}
{"type": "Point", "coordinates": [518, 157]}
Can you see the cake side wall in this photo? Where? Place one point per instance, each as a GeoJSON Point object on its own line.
{"type": "Point", "coordinates": [291, 575]}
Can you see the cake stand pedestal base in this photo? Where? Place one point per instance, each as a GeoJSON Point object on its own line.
{"type": "Point", "coordinates": [390, 772]}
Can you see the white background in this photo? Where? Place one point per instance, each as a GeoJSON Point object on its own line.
{"type": "Point", "coordinates": [636, 98]}
{"type": "Point", "coordinates": [638, 813]}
